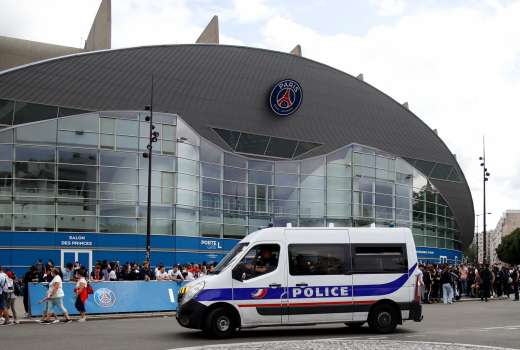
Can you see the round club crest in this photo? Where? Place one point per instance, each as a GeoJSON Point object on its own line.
{"type": "Point", "coordinates": [286, 97]}
{"type": "Point", "coordinates": [104, 297]}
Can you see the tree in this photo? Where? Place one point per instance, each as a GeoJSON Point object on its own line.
{"type": "Point", "coordinates": [509, 248]}
{"type": "Point", "coordinates": [471, 253]}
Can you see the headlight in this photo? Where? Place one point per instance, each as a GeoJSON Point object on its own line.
{"type": "Point", "coordinates": [192, 291]}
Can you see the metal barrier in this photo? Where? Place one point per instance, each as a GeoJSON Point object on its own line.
{"type": "Point", "coordinates": [113, 297]}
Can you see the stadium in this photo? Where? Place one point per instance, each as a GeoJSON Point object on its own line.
{"type": "Point", "coordinates": [248, 138]}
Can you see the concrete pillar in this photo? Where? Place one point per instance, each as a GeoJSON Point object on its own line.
{"type": "Point", "coordinates": [100, 35]}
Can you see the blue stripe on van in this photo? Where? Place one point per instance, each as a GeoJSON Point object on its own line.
{"type": "Point", "coordinates": [317, 291]}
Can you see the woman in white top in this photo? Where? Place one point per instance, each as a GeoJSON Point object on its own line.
{"type": "Point", "coordinates": [161, 274]}
{"type": "Point", "coordinates": [55, 298]}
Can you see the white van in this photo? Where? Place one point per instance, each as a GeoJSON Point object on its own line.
{"type": "Point", "coordinates": [300, 276]}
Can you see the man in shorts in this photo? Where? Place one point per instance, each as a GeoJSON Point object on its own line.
{"type": "Point", "coordinates": [3, 297]}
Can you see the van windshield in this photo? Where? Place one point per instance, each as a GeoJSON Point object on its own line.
{"type": "Point", "coordinates": [239, 248]}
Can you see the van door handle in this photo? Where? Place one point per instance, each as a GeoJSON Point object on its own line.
{"type": "Point", "coordinates": [275, 285]}
{"type": "Point", "coordinates": [302, 285]}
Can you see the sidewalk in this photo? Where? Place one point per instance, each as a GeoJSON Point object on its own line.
{"type": "Point", "coordinates": [20, 313]}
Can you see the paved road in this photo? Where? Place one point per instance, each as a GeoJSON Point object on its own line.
{"type": "Point", "coordinates": [496, 323]}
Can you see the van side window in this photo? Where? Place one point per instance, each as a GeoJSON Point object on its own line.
{"type": "Point", "coordinates": [317, 259]}
{"type": "Point", "coordinates": [259, 260]}
{"type": "Point", "coordinates": [377, 258]}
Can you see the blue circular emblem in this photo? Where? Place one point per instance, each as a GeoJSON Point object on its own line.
{"type": "Point", "coordinates": [104, 297]}
{"type": "Point", "coordinates": [286, 97]}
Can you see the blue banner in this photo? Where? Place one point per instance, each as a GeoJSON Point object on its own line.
{"type": "Point", "coordinates": [113, 297]}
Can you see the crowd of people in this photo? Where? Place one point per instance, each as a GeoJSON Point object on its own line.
{"type": "Point", "coordinates": [448, 283]}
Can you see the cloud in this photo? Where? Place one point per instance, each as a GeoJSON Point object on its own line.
{"type": "Point", "coordinates": [389, 7]}
{"type": "Point", "coordinates": [249, 11]}
{"type": "Point", "coordinates": [458, 67]}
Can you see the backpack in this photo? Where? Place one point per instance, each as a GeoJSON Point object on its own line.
{"type": "Point", "coordinates": [89, 289]}
{"type": "Point", "coordinates": [17, 290]}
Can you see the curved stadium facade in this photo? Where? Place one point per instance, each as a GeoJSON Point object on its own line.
{"type": "Point", "coordinates": [73, 182]}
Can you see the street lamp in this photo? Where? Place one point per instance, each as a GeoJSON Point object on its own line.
{"type": "Point", "coordinates": [152, 137]}
{"type": "Point", "coordinates": [485, 177]}
{"type": "Point", "coordinates": [476, 220]}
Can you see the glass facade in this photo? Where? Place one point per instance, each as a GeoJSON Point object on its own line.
{"type": "Point", "coordinates": [86, 173]}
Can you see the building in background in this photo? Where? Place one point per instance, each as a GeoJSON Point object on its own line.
{"type": "Point", "coordinates": [509, 221]}
{"type": "Point", "coordinates": [16, 52]}
{"type": "Point", "coordinates": [248, 138]}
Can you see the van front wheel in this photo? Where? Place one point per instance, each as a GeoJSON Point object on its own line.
{"type": "Point", "coordinates": [219, 324]}
{"type": "Point", "coordinates": [382, 319]}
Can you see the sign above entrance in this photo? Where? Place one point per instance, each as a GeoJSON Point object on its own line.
{"type": "Point", "coordinates": [286, 97]}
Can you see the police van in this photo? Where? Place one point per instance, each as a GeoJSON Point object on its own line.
{"type": "Point", "coordinates": [299, 276]}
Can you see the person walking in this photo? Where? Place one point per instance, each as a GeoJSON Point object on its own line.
{"type": "Point", "coordinates": [447, 289]}
{"type": "Point", "coordinates": [81, 294]}
{"type": "Point", "coordinates": [55, 297]}
{"type": "Point", "coordinates": [4, 311]}
{"type": "Point", "coordinates": [10, 297]}
{"type": "Point", "coordinates": [515, 278]}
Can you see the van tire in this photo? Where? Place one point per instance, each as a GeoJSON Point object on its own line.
{"type": "Point", "coordinates": [220, 323]}
{"type": "Point", "coordinates": [355, 325]}
{"type": "Point", "coordinates": [382, 318]}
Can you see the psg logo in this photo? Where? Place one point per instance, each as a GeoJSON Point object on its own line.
{"type": "Point", "coordinates": [104, 297]}
{"type": "Point", "coordinates": [286, 97]}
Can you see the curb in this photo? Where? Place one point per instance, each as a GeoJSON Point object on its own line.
{"type": "Point", "coordinates": [113, 316]}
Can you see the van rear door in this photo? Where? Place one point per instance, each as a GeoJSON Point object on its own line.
{"type": "Point", "coordinates": [319, 280]}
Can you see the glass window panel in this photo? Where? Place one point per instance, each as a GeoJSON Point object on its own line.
{"type": "Point", "coordinates": [403, 202]}
{"type": "Point", "coordinates": [117, 225]}
{"type": "Point", "coordinates": [210, 200]}
{"type": "Point", "coordinates": [168, 147]}
{"type": "Point", "coordinates": [119, 159]}
{"type": "Point", "coordinates": [108, 126]}
{"type": "Point", "coordinates": [39, 133]}
{"type": "Point", "coordinates": [384, 187]}
{"type": "Point", "coordinates": [364, 171]}
{"type": "Point", "coordinates": [159, 163]}
{"type": "Point", "coordinates": [210, 230]}
{"type": "Point", "coordinates": [109, 208]}
{"type": "Point", "coordinates": [188, 198]}
{"type": "Point", "coordinates": [379, 259]}
{"type": "Point", "coordinates": [308, 195]}
{"type": "Point", "coordinates": [253, 144]}
{"type": "Point", "coordinates": [454, 175]}
{"type": "Point", "coordinates": [210, 185]}
{"type": "Point", "coordinates": [30, 112]}
{"type": "Point", "coordinates": [155, 192]}
{"type": "Point", "coordinates": [402, 214]}
{"type": "Point", "coordinates": [30, 206]}
{"type": "Point", "coordinates": [339, 222]}
{"type": "Point", "coordinates": [81, 123]}
{"type": "Point", "coordinates": [76, 138]}
{"type": "Point", "coordinates": [286, 193]}
{"type": "Point", "coordinates": [234, 161]}
{"type": "Point", "coordinates": [158, 226]}
{"type": "Point", "coordinates": [76, 223]}
{"type": "Point", "coordinates": [164, 212]}
{"type": "Point", "coordinates": [403, 191]}
{"type": "Point", "coordinates": [130, 143]}
{"type": "Point", "coordinates": [234, 231]}
{"type": "Point", "coordinates": [63, 112]}
{"type": "Point", "coordinates": [229, 136]}
{"type": "Point", "coordinates": [311, 222]}
{"type": "Point", "coordinates": [341, 210]}
{"type": "Point", "coordinates": [406, 179]}
{"type": "Point", "coordinates": [26, 222]}
{"type": "Point", "coordinates": [117, 175]}
{"type": "Point", "coordinates": [284, 207]}
{"type": "Point", "coordinates": [260, 177]}
{"type": "Point", "coordinates": [308, 181]}
{"type": "Point", "coordinates": [77, 156]}
{"type": "Point", "coordinates": [281, 148]}
{"type": "Point", "coordinates": [42, 188]}
{"type": "Point", "coordinates": [143, 178]}
{"type": "Point", "coordinates": [168, 132]}
{"type": "Point", "coordinates": [188, 166]}
{"type": "Point", "coordinates": [280, 221]}
{"type": "Point", "coordinates": [338, 196]}
{"type": "Point", "coordinates": [424, 166]}
{"type": "Point", "coordinates": [236, 203]}
{"type": "Point", "coordinates": [35, 154]}
{"type": "Point", "coordinates": [313, 166]}
{"type": "Point", "coordinates": [338, 183]}
{"type": "Point", "coordinates": [71, 206]}
{"type": "Point", "coordinates": [367, 160]}
{"type": "Point", "coordinates": [77, 172]}
{"type": "Point", "coordinates": [235, 174]}
{"type": "Point", "coordinates": [286, 167]}
{"type": "Point", "coordinates": [304, 147]}
{"type": "Point", "coordinates": [384, 213]}
{"type": "Point", "coordinates": [441, 171]}
{"type": "Point", "coordinates": [210, 170]}
{"type": "Point", "coordinates": [34, 170]}
{"type": "Point", "coordinates": [184, 132]}
{"type": "Point", "coordinates": [286, 180]}
{"type": "Point", "coordinates": [341, 156]}
{"type": "Point", "coordinates": [6, 136]}
{"type": "Point", "coordinates": [107, 141]}
{"type": "Point", "coordinates": [364, 184]}
{"type": "Point", "coordinates": [384, 200]}
{"type": "Point", "coordinates": [118, 192]}
{"type": "Point", "coordinates": [339, 170]}
{"type": "Point", "coordinates": [260, 165]}
{"type": "Point", "coordinates": [187, 182]}
{"type": "Point", "coordinates": [317, 259]}
{"type": "Point", "coordinates": [6, 112]}
{"type": "Point", "coordinates": [187, 151]}
{"type": "Point", "coordinates": [314, 209]}
{"type": "Point", "coordinates": [126, 127]}
{"type": "Point", "coordinates": [209, 153]}
{"type": "Point", "coordinates": [80, 190]}
{"type": "Point", "coordinates": [6, 169]}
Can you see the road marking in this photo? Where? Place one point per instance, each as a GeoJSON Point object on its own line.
{"type": "Point", "coordinates": [508, 327]}
{"type": "Point", "coordinates": [170, 292]}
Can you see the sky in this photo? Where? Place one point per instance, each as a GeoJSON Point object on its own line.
{"type": "Point", "coordinates": [456, 62]}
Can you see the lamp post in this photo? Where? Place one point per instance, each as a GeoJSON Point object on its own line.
{"type": "Point", "coordinates": [152, 137]}
{"type": "Point", "coordinates": [485, 177]}
{"type": "Point", "coordinates": [476, 220]}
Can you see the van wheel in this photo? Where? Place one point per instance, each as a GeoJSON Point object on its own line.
{"type": "Point", "coordinates": [219, 324]}
{"type": "Point", "coordinates": [355, 325]}
{"type": "Point", "coordinates": [382, 319]}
